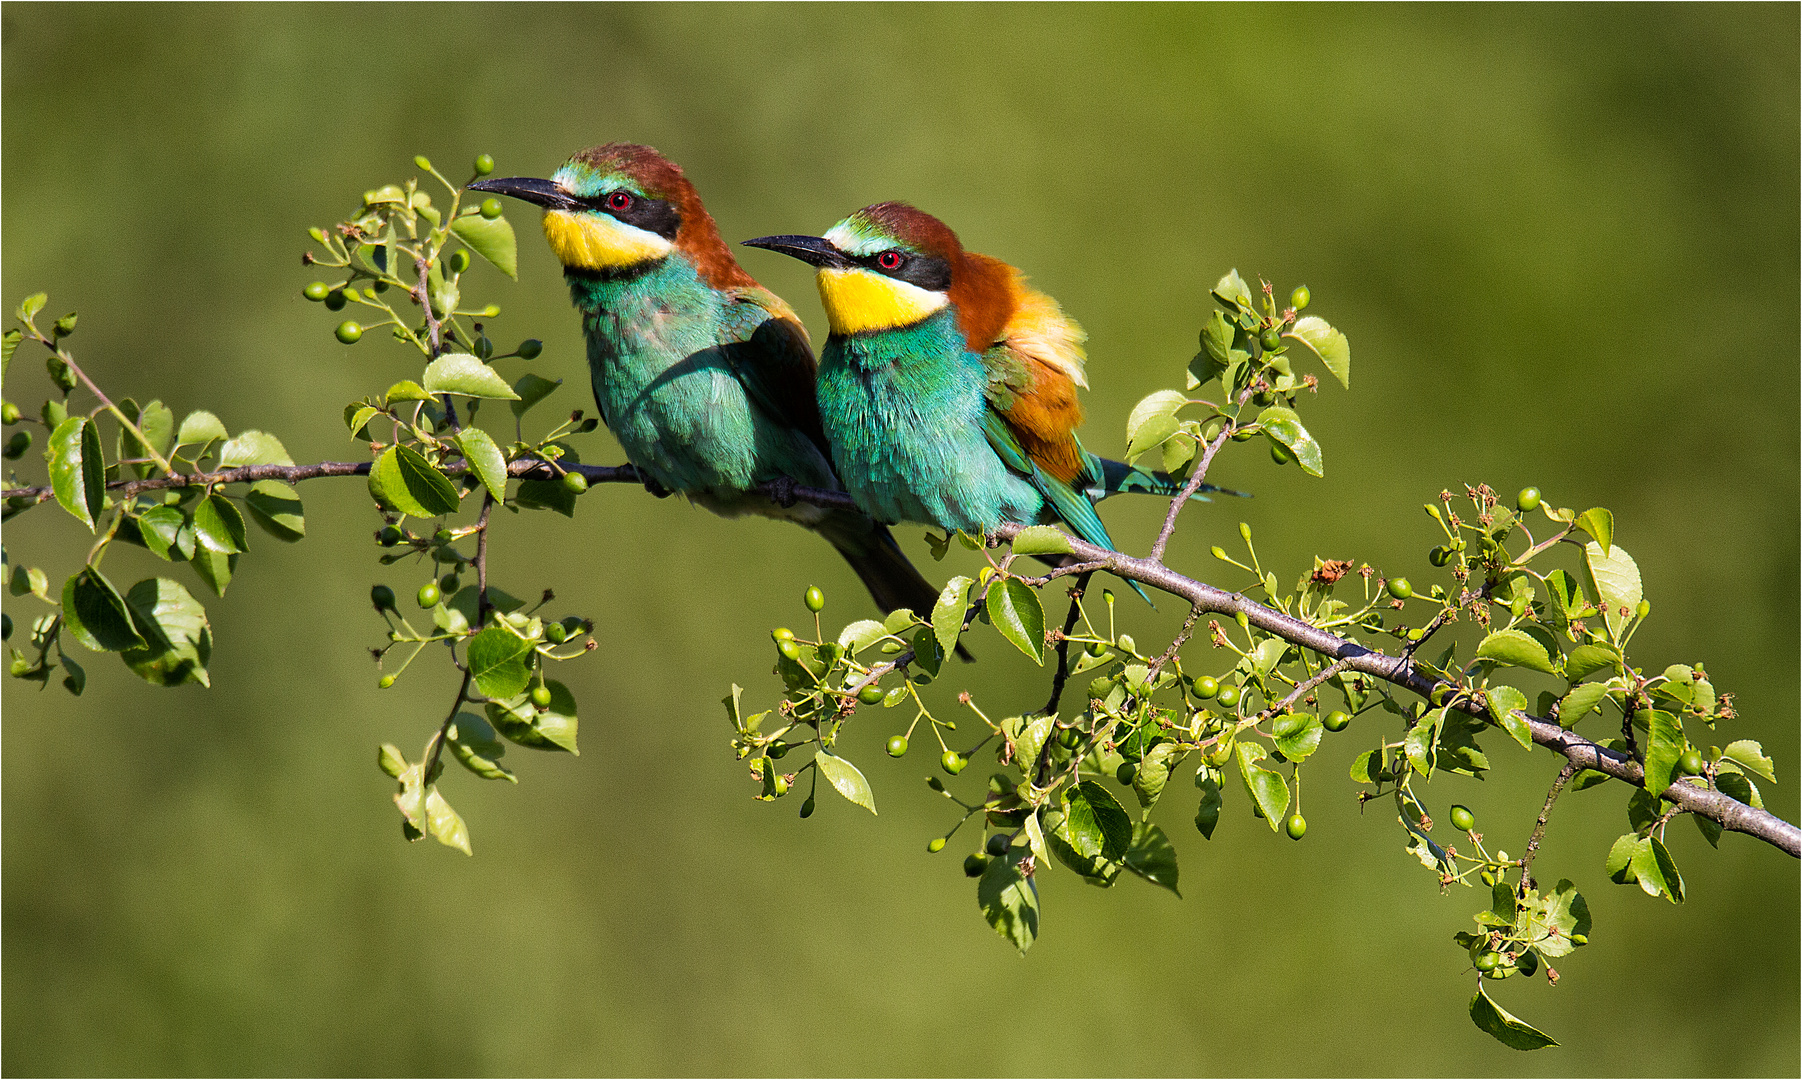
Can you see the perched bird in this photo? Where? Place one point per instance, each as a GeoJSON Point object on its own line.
{"type": "Point", "coordinates": [948, 387]}
{"type": "Point", "coordinates": [705, 377]}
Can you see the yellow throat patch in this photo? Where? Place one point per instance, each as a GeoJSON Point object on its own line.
{"type": "Point", "coordinates": [858, 300]}
{"type": "Point", "coordinates": [599, 242]}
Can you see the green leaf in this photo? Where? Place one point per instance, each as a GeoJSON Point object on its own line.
{"type": "Point", "coordinates": [1665, 747]}
{"type": "Point", "coordinates": [253, 448]}
{"type": "Point", "coordinates": [861, 635]}
{"type": "Point", "coordinates": [30, 306]}
{"type": "Point", "coordinates": [1619, 864]}
{"type": "Point", "coordinates": [96, 614]}
{"type": "Point", "coordinates": [1232, 291]}
{"type": "Point", "coordinates": [1580, 702]}
{"type": "Point", "coordinates": [1041, 540]}
{"type": "Point", "coordinates": [1598, 523]}
{"type": "Point", "coordinates": [461, 373]}
{"type": "Point", "coordinates": [444, 824]}
{"type": "Point", "coordinates": [550, 728]}
{"type": "Point", "coordinates": [1657, 871]}
{"type": "Point", "coordinates": [75, 677]}
{"type": "Point", "coordinates": [1014, 610]}
{"type": "Point", "coordinates": [1095, 825]}
{"type": "Point", "coordinates": [357, 416]}
{"type": "Point", "coordinates": [928, 657]}
{"type": "Point", "coordinates": [545, 495]}
{"type": "Point", "coordinates": [1737, 786]}
{"type": "Point", "coordinates": [497, 662]}
{"type": "Point", "coordinates": [1153, 857]}
{"type": "Point", "coordinates": [1333, 347]}
{"type": "Point", "coordinates": [1710, 829]}
{"type": "Point", "coordinates": [214, 569]}
{"type": "Point", "coordinates": [1009, 899]}
{"type": "Point", "coordinates": [218, 525]}
{"type": "Point", "coordinates": [406, 390]}
{"type": "Point", "coordinates": [1586, 660]}
{"type": "Point", "coordinates": [1297, 735]}
{"type": "Point", "coordinates": [1421, 741]}
{"type": "Point", "coordinates": [276, 508]}
{"type": "Point", "coordinates": [1458, 750]}
{"type": "Point", "coordinates": [1152, 421]}
{"type": "Point", "coordinates": [1504, 1026]}
{"type": "Point", "coordinates": [177, 640]}
{"type": "Point", "coordinates": [948, 612]}
{"type": "Point", "coordinates": [476, 747]}
{"type": "Point", "coordinates": [9, 341]}
{"type": "Point", "coordinates": [1750, 755]}
{"type": "Point", "coordinates": [1520, 648]}
{"type": "Point", "coordinates": [1546, 923]}
{"type": "Point", "coordinates": [1268, 789]}
{"type": "Point", "coordinates": [845, 779]}
{"type": "Point", "coordinates": [1506, 706]}
{"type": "Point", "coordinates": [485, 459]}
{"type": "Point", "coordinates": [1283, 426]}
{"type": "Point", "coordinates": [402, 479]}
{"type": "Point", "coordinates": [1217, 341]}
{"type": "Point", "coordinates": [1029, 738]}
{"type": "Point", "coordinates": [1615, 579]}
{"type": "Point", "coordinates": [158, 425]}
{"type": "Point", "coordinates": [199, 428]}
{"type": "Point", "coordinates": [1207, 813]}
{"type": "Point", "coordinates": [492, 239]}
{"type": "Point", "coordinates": [529, 390]}
{"type": "Point", "coordinates": [1360, 767]}
{"type": "Point", "coordinates": [77, 469]}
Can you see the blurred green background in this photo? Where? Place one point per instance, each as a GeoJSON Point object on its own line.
{"type": "Point", "coordinates": [1563, 241]}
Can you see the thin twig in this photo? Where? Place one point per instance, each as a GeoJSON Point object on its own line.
{"type": "Point", "coordinates": [1063, 645]}
{"type": "Point", "coordinates": [1526, 862]}
{"type": "Point", "coordinates": [1195, 481]}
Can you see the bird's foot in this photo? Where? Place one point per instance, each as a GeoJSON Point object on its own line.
{"type": "Point", "coordinates": [782, 491]}
{"type": "Point", "coordinates": [653, 486]}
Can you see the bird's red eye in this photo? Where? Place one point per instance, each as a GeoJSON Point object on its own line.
{"type": "Point", "coordinates": [619, 200]}
{"type": "Point", "coordinates": [889, 260]}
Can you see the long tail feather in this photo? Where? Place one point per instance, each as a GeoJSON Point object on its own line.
{"type": "Point", "coordinates": [1115, 477]}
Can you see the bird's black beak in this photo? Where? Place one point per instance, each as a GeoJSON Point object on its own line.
{"type": "Point", "coordinates": [815, 250]}
{"type": "Point", "coordinates": [545, 193]}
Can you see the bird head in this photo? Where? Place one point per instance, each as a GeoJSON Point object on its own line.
{"type": "Point", "coordinates": [620, 206]}
{"type": "Point", "coordinates": [886, 266]}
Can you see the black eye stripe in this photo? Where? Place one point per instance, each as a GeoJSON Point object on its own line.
{"type": "Point", "coordinates": [652, 215]}
{"type": "Point", "coordinates": [926, 271]}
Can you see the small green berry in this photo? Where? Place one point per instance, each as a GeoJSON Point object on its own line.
{"type": "Point", "coordinates": [1488, 877]}
{"type": "Point", "coordinates": [789, 649]}
{"type": "Point", "coordinates": [780, 784]}
{"type": "Point", "coordinates": [316, 292]}
{"type": "Point", "coordinates": [1069, 738]}
{"type": "Point", "coordinates": [1528, 500]}
{"type": "Point", "coordinates": [529, 349]}
{"type": "Point", "coordinates": [936, 845]}
{"type": "Point", "coordinates": [1462, 819]}
{"type": "Point", "coordinates": [1228, 697]}
{"type": "Point", "coordinates": [421, 161]}
{"type": "Point", "coordinates": [6, 627]}
{"type": "Point", "coordinates": [382, 597]}
{"type": "Point", "coordinates": [782, 634]}
{"type": "Point", "coordinates": [459, 261]}
{"type": "Point", "coordinates": [1206, 686]}
{"type": "Point", "coordinates": [778, 751]}
{"type": "Point", "coordinates": [1240, 434]}
{"type": "Point", "coordinates": [998, 844]}
{"type": "Point", "coordinates": [974, 865]}
{"type": "Point", "coordinates": [1487, 962]}
{"type": "Point", "coordinates": [1336, 720]}
{"type": "Point", "coordinates": [429, 595]}
{"type": "Point", "coordinates": [1400, 589]}
{"type": "Point", "coordinates": [385, 682]}
{"type": "Point", "coordinates": [389, 536]}
{"type": "Point", "coordinates": [897, 745]}
{"type": "Point", "coordinates": [1281, 454]}
{"type": "Point", "coordinates": [815, 599]}
{"type": "Point", "coordinates": [953, 762]}
{"type": "Point", "coordinates": [575, 482]}
{"type": "Point", "coordinates": [807, 807]}
{"type": "Point", "coordinates": [1690, 763]}
{"type": "Point", "coordinates": [442, 536]}
{"type": "Point", "coordinates": [1096, 648]}
{"type": "Point", "coordinates": [484, 164]}
{"type": "Point", "coordinates": [1439, 556]}
{"type": "Point", "coordinates": [871, 694]}
{"type": "Point", "coordinates": [541, 696]}
{"type": "Point", "coordinates": [349, 332]}
{"type": "Point", "coordinates": [1296, 827]}
{"type": "Point", "coordinates": [1299, 298]}
{"type": "Point", "coordinates": [1126, 772]}
{"type": "Point", "coordinates": [491, 208]}
{"type": "Point", "coordinates": [492, 311]}
{"type": "Point", "coordinates": [449, 584]}
{"type": "Point", "coordinates": [556, 632]}
{"type": "Point", "coordinates": [334, 300]}
{"type": "Point", "coordinates": [1271, 339]}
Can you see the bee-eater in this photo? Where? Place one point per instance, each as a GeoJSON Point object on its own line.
{"type": "Point", "coordinates": [705, 377]}
{"type": "Point", "coordinates": [947, 387]}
